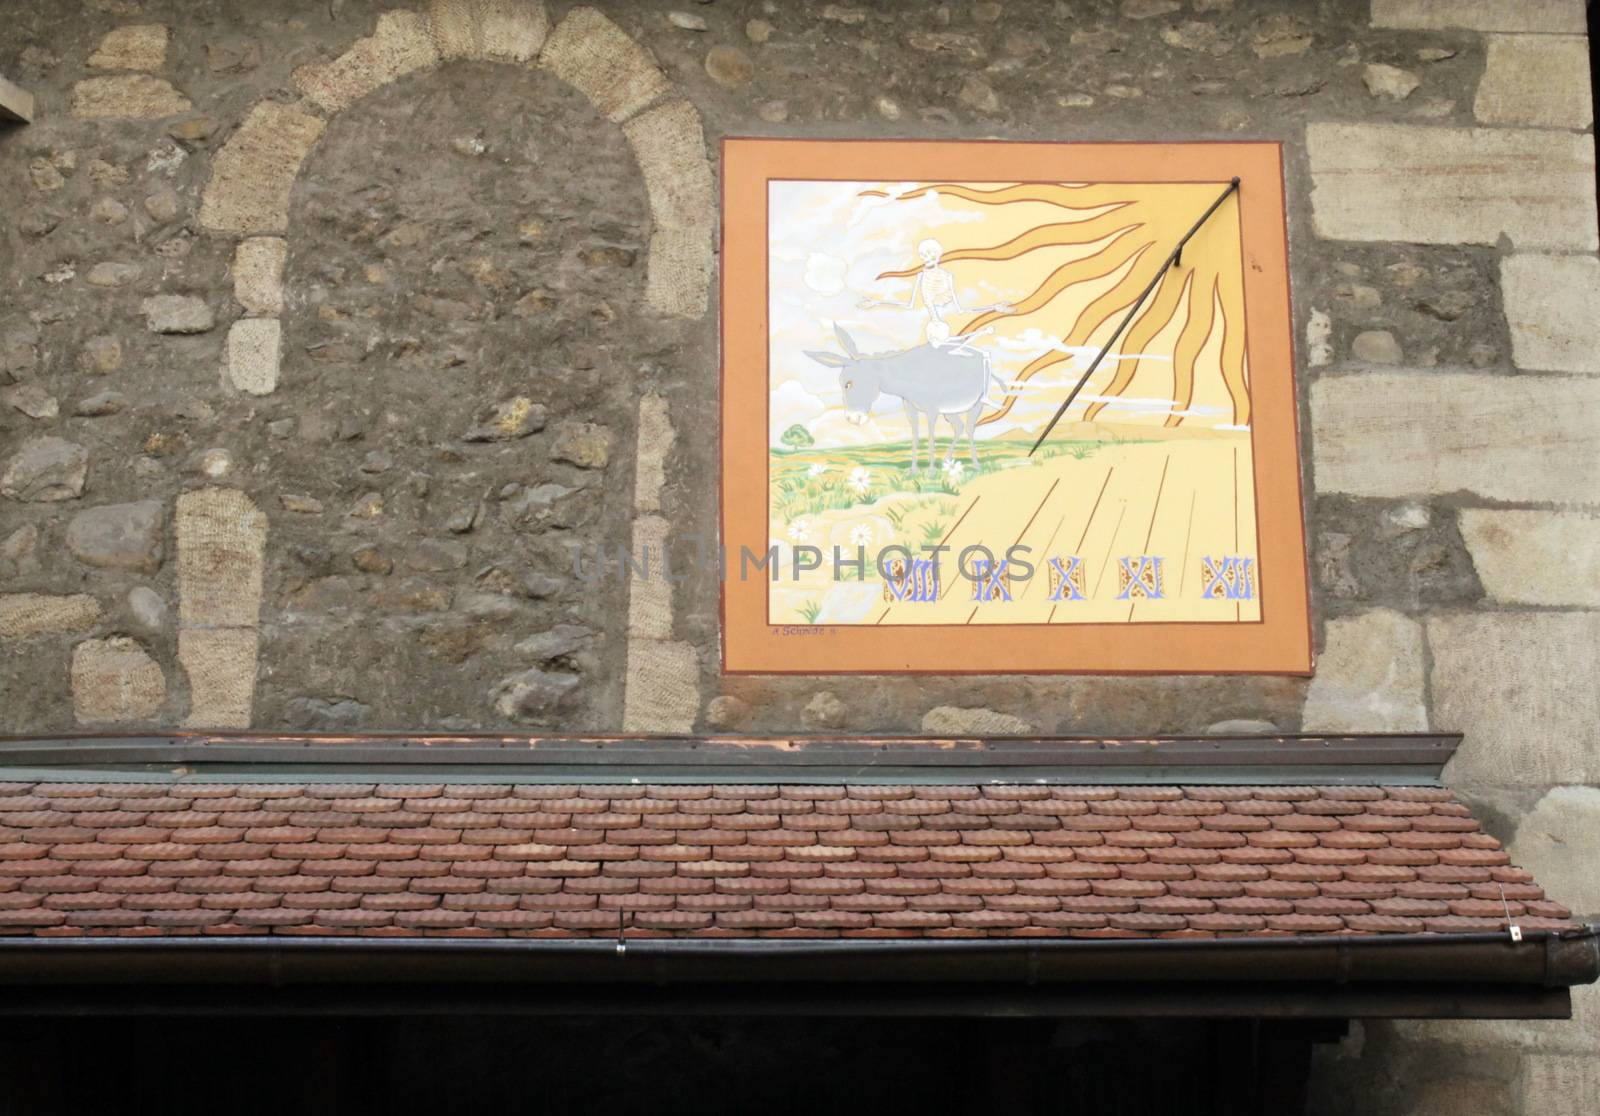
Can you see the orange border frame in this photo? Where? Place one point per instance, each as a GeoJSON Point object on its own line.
{"type": "Point", "coordinates": [1280, 643]}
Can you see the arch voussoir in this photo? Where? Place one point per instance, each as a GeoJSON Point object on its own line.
{"type": "Point", "coordinates": [400, 45]}
{"type": "Point", "coordinates": [496, 30]}
{"type": "Point", "coordinates": [596, 57]}
{"type": "Point", "coordinates": [669, 143]}
{"type": "Point", "coordinates": [254, 172]}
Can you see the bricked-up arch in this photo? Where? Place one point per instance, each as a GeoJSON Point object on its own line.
{"type": "Point", "coordinates": [255, 170]}
{"type": "Point", "coordinates": [254, 173]}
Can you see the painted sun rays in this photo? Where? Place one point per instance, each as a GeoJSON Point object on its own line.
{"type": "Point", "coordinates": [1127, 230]}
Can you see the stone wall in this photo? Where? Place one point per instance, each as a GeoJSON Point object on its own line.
{"type": "Point", "coordinates": [327, 327]}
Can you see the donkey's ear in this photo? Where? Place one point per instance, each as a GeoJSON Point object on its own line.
{"type": "Point", "coordinates": [844, 340]}
{"type": "Point", "coordinates": [832, 360]}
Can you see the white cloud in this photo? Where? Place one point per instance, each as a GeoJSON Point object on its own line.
{"type": "Point", "coordinates": [1034, 340]}
{"type": "Point", "coordinates": [792, 403]}
{"type": "Point", "coordinates": [825, 273]}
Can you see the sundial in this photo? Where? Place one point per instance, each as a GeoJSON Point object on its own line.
{"type": "Point", "coordinates": [1001, 407]}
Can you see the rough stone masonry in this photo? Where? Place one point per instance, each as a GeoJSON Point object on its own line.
{"type": "Point", "coordinates": [328, 328]}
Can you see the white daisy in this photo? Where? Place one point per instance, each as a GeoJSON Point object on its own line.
{"type": "Point", "coordinates": [816, 470]}
{"type": "Point", "coordinates": [800, 530]}
{"type": "Point", "coordinates": [860, 479]}
{"type": "Point", "coordinates": [861, 535]}
{"type": "Point", "coordinates": [953, 469]}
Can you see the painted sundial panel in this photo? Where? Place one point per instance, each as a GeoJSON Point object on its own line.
{"type": "Point", "coordinates": [924, 493]}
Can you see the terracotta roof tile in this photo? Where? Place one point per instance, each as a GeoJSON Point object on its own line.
{"type": "Point", "coordinates": [728, 859]}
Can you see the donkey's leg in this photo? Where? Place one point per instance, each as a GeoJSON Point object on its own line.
{"type": "Point", "coordinates": [972, 431]}
{"type": "Point", "coordinates": [916, 434]}
{"type": "Point", "coordinates": [955, 438]}
{"type": "Point", "coordinates": [933, 438]}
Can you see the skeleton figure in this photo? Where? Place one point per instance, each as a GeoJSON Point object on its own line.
{"type": "Point", "coordinates": [937, 289]}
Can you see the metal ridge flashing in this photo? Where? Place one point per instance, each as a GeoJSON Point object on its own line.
{"type": "Point", "coordinates": [257, 756]}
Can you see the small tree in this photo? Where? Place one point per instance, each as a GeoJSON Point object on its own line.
{"type": "Point", "coordinates": [797, 437]}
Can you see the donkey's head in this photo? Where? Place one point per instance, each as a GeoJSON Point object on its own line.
{"type": "Point", "coordinates": [858, 378]}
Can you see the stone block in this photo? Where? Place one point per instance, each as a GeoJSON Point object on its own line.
{"type": "Point", "coordinates": [678, 283]}
{"type": "Point", "coordinates": [100, 356]}
{"type": "Point", "coordinates": [114, 682]}
{"type": "Point", "coordinates": [1390, 82]}
{"type": "Point", "coordinates": [1521, 686]}
{"type": "Point", "coordinates": [400, 44]}
{"type": "Point", "coordinates": [649, 593]}
{"type": "Point", "coordinates": [1539, 81]}
{"type": "Point", "coordinates": [31, 400]}
{"type": "Point", "coordinates": [1428, 185]}
{"type": "Point", "coordinates": [258, 274]}
{"type": "Point", "coordinates": [1525, 439]}
{"type": "Point", "coordinates": [726, 712]}
{"type": "Point", "coordinates": [127, 97]}
{"type": "Point", "coordinates": [555, 643]}
{"type": "Point", "coordinates": [535, 696]}
{"type": "Point", "coordinates": [46, 470]}
{"type": "Point", "coordinates": [1556, 842]}
{"type": "Point", "coordinates": [30, 614]}
{"type": "Point", "coordinates": [1535, 557]}
{"type": "Point", "coordinates": [16, 103]}
{"type": "Point", "coordinates": [221, 537]}
{"type": "Point", "coordinates": [253, 354]}
{"type": "Point", "coordinates": [662, 692]}
{"type": "Point", "coordinates": [953, 721]}
{"type": "Point", "coordinates": [172, 313]}
{"type": "Point", "coordinates": [670, 145]}
{"type": "Point", "coordinates": [254, 171]}
{"type": "Point", "coordinates": [1561, 1084]}
{"type": "Point", "coordinates": [221, 666]}
{"type": "Point", "coordinates": [824, 713]}
{"type": "Point", "coordinates": [147, 609]}
{"type": "Point", "coordinates": [584, 444]}
{"type": "Point", "coordinates": [1564, 16]}
{"type": "Point", "coordinates": [1319, 335]}
{"type": "Point", "coordinates": [499, 30]}
{"type": "Point", "coordinates": [655, 442]}
{"type": "Point", "coordinates": [595, 56]}
{"type": "Point", "coordinates": [141, 46]}
{"type": "Point", "coordinates": [1369, 677]}
{"type": "Point", "coordinates": [119, 536]}
{"type": "Point", "coordinates": [1552, 304]}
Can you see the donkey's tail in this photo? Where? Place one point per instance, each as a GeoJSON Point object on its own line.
{"type": "Point", "coordinates": [996, 380]}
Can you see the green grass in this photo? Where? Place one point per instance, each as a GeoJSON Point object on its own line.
{"type": "Point", "coordinates": [810, 611]}
{"type": "Point", "coordinates": [796, 493]}
{"type": "Point", "coordinates": [933, 530]}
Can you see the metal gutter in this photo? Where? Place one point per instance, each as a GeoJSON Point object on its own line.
{"type": "Point", "coordinates": [1438, 976]}
{"type": "Point", "coordinates": [1540, 959]}
{"type": "Point", "coordinates": [1399, 758]}
{"type": "Point", "coordinates": [921, 1001]}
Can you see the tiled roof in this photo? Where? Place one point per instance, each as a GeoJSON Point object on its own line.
{"type": "Point", "coordinates": [744, 860]}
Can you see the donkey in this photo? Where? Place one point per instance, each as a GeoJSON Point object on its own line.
{"type": "Point", "coordinates": [928, 380]}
